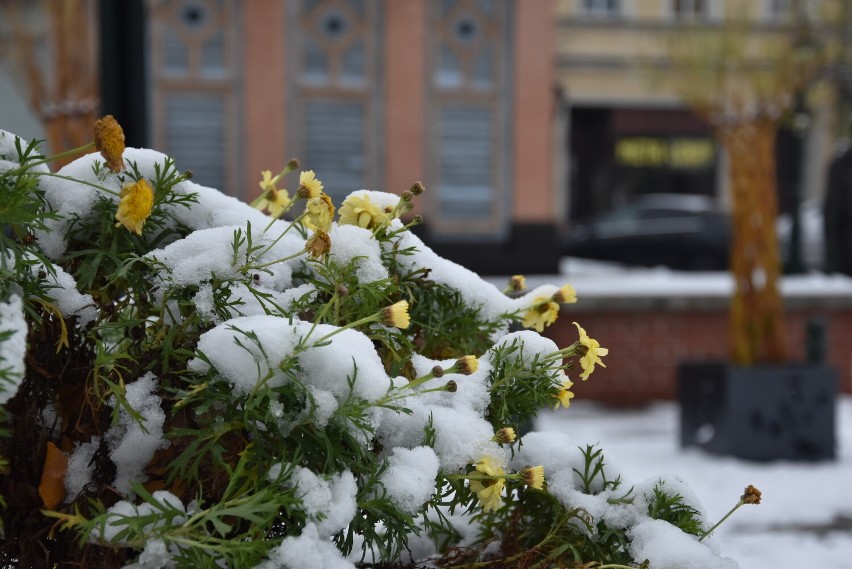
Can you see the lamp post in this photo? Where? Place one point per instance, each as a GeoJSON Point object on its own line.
{"type": "Point", "coordinates": [801, 123]}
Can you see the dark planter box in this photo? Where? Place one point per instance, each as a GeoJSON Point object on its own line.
{"type": "Point", "coordinates": [759, 412]}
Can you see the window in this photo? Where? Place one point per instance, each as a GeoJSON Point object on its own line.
{"type": "Point", "coordinates": [600, 7]}
{"type": "Point", "coordinates": [778, 10]}
{"type": "Point", "coordinates": [468, 82]}
{"type": "Point", "coordinates": [194, 91]}
{"type": "Point", "coordinates": [334, 109]}
{"type": "Point", "coordinates": [690, 9]}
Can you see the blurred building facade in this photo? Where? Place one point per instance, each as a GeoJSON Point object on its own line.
{"type": "Point", "coordinates": [457, 94]}
{"type": "Point", "coordinates": [519, 116]}
{"type": "Point", "coordinates": [629, 133]}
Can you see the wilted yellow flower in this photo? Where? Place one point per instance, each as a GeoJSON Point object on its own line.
{"type": "Point", "coordinates": [505, 436]}
{"type": "Point", "coordinates": [489, 492]}
{"type": "Point", "coordinates": [565, 395]}
{"type": "Point", "coordinates": [466, 365]}
{"type": "Point", "coordinates": [318, 245]}
{"type": "Point", "coordinates": [565, 295]}
{"type": "Point", "coordinates": [109, 140]}
{"type": "Point", "coordinates": [543, 313]}
{"type": "Point", "coordinates": [359, 210]}
{"type": "Point", "coordinates": [751, 495]}
{"type": "Point", "coordinates": [593, 353]}
{"type": "Point", "coordinates": [309, 186]}
{"type": "Point", "coordinates": [135, 204]}
{"type": "Point", "coordinates": [320, 213]}
{"type": "Point", "coordinates": [397, 315]}
{"type": "Point", "coordinates": [533, 476]}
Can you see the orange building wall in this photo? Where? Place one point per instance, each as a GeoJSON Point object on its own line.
{"type": "Point", "coordinates": [533, 192]}
{"type": "Point", "coordinates": [404, 89]}
{"type": "Point", "coordinates": [263, 91]}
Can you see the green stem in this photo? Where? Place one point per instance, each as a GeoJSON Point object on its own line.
{"type": "Point", "coordinates": [60, 156]}
{"type": "Point", "coordinates": [70, 179]}
{"type": "Point", "coordinates": [281, 260]}
{"type": "Point", "coordinates": [365, 320]}
{"type": "Point", "coordinates": [277, 239]}
{"type": "Point", "coordinates": [717, 524]}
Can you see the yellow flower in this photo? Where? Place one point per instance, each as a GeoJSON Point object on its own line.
{"type": "Point", "coordinates": [135, 204]}
{"type": "Point", "coordinates": [543, 313]}
{"type": "Point", "coordinates": [466, 365]}
{"type": "Point", "coordinates": [565, 295]}
{"type": "Point", "coordinates": [268, 183]}
{"type": "Point", "coordinates": [309, 186]}
{"type": "Point", "coordinates": [505, 436]}
{"type": "Point", "coordinates": [397, 315]}
{"type": "Point", "coordinates": [565, 395]}
{"type": "Point", "coordinates": [318, 244]}
{"type": "Point", "coordinates": [517, 283]}
{"type": "Point", "coordinates": [276, 202]}
{"type": "Point", "coordinates": [320, 212]}
{"type": "Point", "coordinates": [593, 353]}
{"type": "Point", "coordinates": [359, 210]}
{"type": "Point", "coordinates": [533, 476]}
{"type": "Point", "coordinates": [489, 492]}
{"type": "Point", "coordinates": [109, 141]}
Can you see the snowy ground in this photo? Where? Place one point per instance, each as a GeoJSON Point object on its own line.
{"type": "Point", "coordinates": [805, 519]}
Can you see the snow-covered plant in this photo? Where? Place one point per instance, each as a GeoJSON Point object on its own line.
{"type": "Point", "coordinates": [193, 382]}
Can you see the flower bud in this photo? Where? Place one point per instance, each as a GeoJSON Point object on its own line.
{"type": "Point", "coordinates": [505, 436]}
{"type": "Point", "coordinates": [466, 365]}
{"type": "Point", "coordinates": [417, 188]}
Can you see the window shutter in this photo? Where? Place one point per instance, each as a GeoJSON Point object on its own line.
{"type": "Point", "coordinates": [195, 135]}
{"type": "Point", "coordinates": [466, 177]}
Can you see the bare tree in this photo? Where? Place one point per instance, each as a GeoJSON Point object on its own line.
{"type": "Point", "coordinates": [61, 81]}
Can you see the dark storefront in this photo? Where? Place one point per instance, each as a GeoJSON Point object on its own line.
{"type": "Point", "coordinates": [617, 154]}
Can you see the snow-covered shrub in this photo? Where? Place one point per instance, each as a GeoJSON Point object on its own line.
{"type": "Point", "coordinates": [194, 383]}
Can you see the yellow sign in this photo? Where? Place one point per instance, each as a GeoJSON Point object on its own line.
{"type": "Point", "coordinates": [648, 152]}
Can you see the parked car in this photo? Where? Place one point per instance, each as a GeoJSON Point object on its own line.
{"type": "Point", "coordinates": [812, 236]}
{"type": "Point", "coordinates": [681, 231]}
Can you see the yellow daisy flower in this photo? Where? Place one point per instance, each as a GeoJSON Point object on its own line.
{"type": "Point", "coordinates": [320, 212]}
{"type": "Point", "coordinates": [309, 186]}
{"type": "Point", "coordinates": [489, 492]}
{"type": "Point", "coordinates": [565, 395]}
{"type": "Point", "coordinates": [134, 206]}
{"type": "Point", "coordinates": [359, 210]}
{"type": "Point", "coordinates": [593, 354]}
{"type": "Point", "coordinates": [543, 313]}
{"type": "Point", "coordinates": [268, 182]}
{"type": "Point", "coordinates": [505, 436]}
{"type": "Point", "coordinates": [397, 315]}
{"type": "Point", "coordinates": [533, 476]}
{"type": "Point", "coordinates": [109, 141]}
{"type": "Point", "coordinates": [565, 295]}
{"type": "Point", "coordinates": [517, 283]}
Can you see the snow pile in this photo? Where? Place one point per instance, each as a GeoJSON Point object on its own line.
{"type": "Point", "coordinates": [308, 364]}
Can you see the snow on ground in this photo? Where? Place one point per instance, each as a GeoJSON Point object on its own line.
{"type": "Point", "coordinates": [805, 518]}
{"type": "Point", "coordinates": [599, 279]}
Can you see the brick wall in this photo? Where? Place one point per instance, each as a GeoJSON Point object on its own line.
{"type": "Point", "coordinates": [648, 338]}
